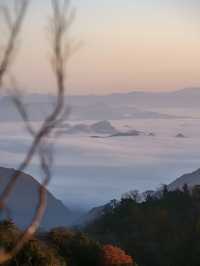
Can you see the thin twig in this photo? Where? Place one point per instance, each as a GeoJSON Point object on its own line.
{"type": "Point", "coordinates": [60, 21]}
{"type": "Point", "coordinates": [14, 27]}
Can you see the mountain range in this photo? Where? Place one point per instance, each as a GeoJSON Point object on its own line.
{"type": "Point", "coordinates": [136, 104]}
{"type": "Point", "coordinates": [24, 199]}
{"type": "Point", "coordinates": [188, 97]}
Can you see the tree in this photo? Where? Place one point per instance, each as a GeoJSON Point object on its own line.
{"type": "Point", "coordinates": [75, 247]}
{"type": "Point", "coordinates": [114, 256]}
{"type": "Point", "coordinates": [35, 253]}
{"type": "Point", "coordinates": [133, 194]}
{"type": "Point", "coordinates": [186, 189]}
{"type": "Point", "coordinates": [154, 232]}
{"type": "Point", "coordinates": [165, 190]}
{"type": "Point", "coordinates": [149, 195]}
{"type": "Point", "coordinates": [61, 19]}
{"type": "Point", "coordinates": [9, 234]}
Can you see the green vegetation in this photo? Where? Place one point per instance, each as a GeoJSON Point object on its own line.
{"type": "Point", "coordinates": [60, 247]}
{"type": "Point", "coordinates": [75, 247]}
{"type": "Point", "coordinates": [162, 230]}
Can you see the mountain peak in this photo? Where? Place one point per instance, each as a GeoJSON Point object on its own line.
{"type": "Point", "coordinates": [191, 179]}
{"type": "Point", "coordinates": [23, 201]}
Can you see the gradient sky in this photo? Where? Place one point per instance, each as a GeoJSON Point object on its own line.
{"type": "Point", "coordinates": [126, 45]}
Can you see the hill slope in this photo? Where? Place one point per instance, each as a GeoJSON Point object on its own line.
{"type": "Point", "coordinates": [191, 179]}
{"type": "Point", "coordinates": [160, 231]}
{"type": "Point", "coordinates": [24, 199]}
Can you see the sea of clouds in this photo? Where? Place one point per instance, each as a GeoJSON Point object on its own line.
{"type": "Point", "coordinates": [91, 171]}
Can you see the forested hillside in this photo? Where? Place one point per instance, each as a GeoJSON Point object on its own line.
{"type": "Point", "coordinates": [163, 230]}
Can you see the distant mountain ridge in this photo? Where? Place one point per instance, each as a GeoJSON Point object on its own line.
{"type": "Point", "coordinates": [132, 105]}
{"type": "Point", "coordinates": [96, 213]}
{"type": "Point", "coordinates": [187, 97]}
{"type": "Point", "coordinates": [42, 97]}
{"type": "Point", "coordinates": [143, 99]}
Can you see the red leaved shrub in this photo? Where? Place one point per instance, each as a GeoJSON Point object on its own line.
{"type": "Point", "coordinates": [114, 256]}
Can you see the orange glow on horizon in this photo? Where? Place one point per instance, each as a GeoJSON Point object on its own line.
{"type": "Point", "coordinates": [123, 53]}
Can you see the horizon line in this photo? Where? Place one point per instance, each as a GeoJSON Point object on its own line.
{"type": "Point", "coordinates": [51, 93]}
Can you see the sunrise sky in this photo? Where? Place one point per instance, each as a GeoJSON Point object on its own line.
{"type": "Point", "coordinates": [126, 45]}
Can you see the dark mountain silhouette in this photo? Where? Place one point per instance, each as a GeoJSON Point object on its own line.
{"type": "Point", "coordinates": [191, 179]}
{"type": "Point", "coordinates": [24, 199]}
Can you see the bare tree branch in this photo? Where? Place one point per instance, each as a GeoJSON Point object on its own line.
{"type": "Point", "coordinates": [60, 23]}
{"type": "Point", "coordinates": [23, 112]}
{"type": "Point", "coordinates": [14, 26]}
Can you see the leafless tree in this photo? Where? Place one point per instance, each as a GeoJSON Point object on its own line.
{"type": "Point", "coordinates": [132, 194]}
{"type": "Point", "coordinates": [42, 138]}
{"type": "Point", "coordinates": [13, 22]}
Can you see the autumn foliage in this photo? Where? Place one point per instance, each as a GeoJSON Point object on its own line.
{"type": "Point", "coordinates": [114, 256]}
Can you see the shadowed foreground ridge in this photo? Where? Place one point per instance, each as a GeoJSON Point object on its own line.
{"type": "Point", "coordinates": [162, 230]}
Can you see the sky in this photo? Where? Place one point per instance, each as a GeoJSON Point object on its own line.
{"type": "Point", "coordinates": [125, 45]}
